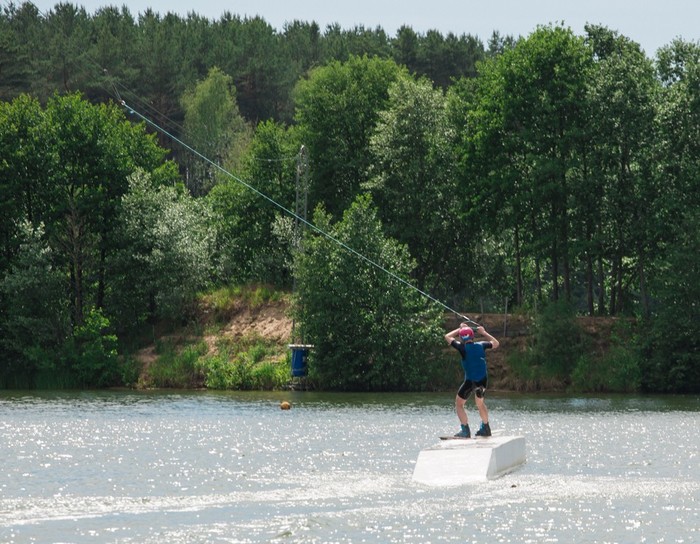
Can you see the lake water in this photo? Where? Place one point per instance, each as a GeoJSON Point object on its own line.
{"type": "Point", "coordinates": [189, 467]}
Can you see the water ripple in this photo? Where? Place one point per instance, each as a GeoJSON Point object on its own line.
{"type": "Point", "coordinates": [202, 467]}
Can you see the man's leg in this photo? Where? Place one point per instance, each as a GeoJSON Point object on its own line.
{"type": "Point", "coordinates": [483, 411]}
{"type": "Point", "coordinates": [461, 412]}
{"type": "Point", "coordinates": [460, 400]}
{"type": "Point", "coordinates": [485, 429]}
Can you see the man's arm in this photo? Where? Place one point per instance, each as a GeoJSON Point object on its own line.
{"type": "Point", "coordinates": [494, 343]}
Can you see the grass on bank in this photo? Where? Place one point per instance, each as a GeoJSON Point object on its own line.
{"type": "Point", "coordinates": [251, 362]}
{"type": "Point", "coordinates": [245, 364]}
{"type": "Point", "coordinates": [224, 301]}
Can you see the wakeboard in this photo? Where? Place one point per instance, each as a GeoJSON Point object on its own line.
{"type": "Point", "coordinates": [493, 433]}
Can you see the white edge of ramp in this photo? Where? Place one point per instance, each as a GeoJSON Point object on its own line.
{"type": "Point", "coordinates": [457, 462]}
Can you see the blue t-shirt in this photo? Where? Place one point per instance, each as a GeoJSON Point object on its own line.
{"type": "Point", "coordinates": [473, 358]}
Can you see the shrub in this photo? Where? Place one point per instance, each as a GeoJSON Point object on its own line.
{"type": "Point", "coordinates": [224, 301]}
{"type": "Point", "coordinates": [554, 350]}
{"type": "Point", "coordinates": [557, 339]}
{"type": "Point", "coordinates": [245, 364]}
{"type": "Point", "coordinates": [175, 368]}
{"type": "Point", "coordinates": [618, 370]}
{"type": "Point", "coordinates": [270, 375]}
{"type": "Point", "coordinates": [625, 374]}
{"type": "Point", "coordinates": [218, 372]}
{"type": "Point", "coordinates": [92, 352]}
{"type": "Point", "coordinates": [129, 369]}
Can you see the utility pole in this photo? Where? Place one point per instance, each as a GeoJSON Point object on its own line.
{"type": "Point", "coordinates": [300, 350]}
{"type": "Point", "coordinates": [302, 191]}
{"type": "Point", "coordinates": [300, 211]}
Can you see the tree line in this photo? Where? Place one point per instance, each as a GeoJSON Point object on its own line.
{"type": "Point", "coordinates": [554, 168]}
{"type": "Point", "coordinates": [158, 57]}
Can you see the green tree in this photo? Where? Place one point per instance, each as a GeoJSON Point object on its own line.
{"type": "Point", "coordinates": [251, 250]}
{"type": "Point", "coordinates": [405, 48]}
{"type": "Point", "coordinates": [65, 45]}
{"type": "Point", "coordinates": [498, 44]}
{"type": "Point", "coordinates": [212, 126]}
{"type": "Point", "coordinates": [23, 168]}
{"type": "Point", "coordinates": [670, 339]}
{"type": "Point", "coordinates": [678, 144]}
{"type": "Point", "coordinates": [341, 44]}
{"type": "Point", "coordinates": [195, 49]}
{"type": "Point", "coordinates": [675, 61]}
{"type": "Point", "coordinates": [63, 172]}
{"type": "Point", "coordinates": [303, 43]}
{"type": "Point", "coordinates": [413, 184]}
{"type": "Point", "coordinates": [35, 315]}
{"type": "Point", "coordinates": [92, 352]}
{"type": "Point", "coordinates": [619, 188]}
{"type": "Point", "coordinates": [444, 58]}
{"type": "Point", "coordinates": [114, 47]}
{"type": "Point", "coordinates": [487, 172]}
{"type": "Point", "coordinates": [159, 66]}
{"type": "Point", "coordinates": [337, 109]}
{"type": "Point", "coordinates": [66, 167]}
{"type": "Point", "coordinates": [334, 46]}
{"type": "Point", "coordinates": [554, 351]}
{"type": "Point", "coordinates": [370, 332]}
{"type": "Point", "coordinates": [546, 91]}
{"type": "Point", "coordinates": [15, 60]}
{"type": "Point", "coordinates": [252, 52]}
{"type": "Point", "coordinates": [93, 150]}
{"type": "Point", "coordinates": [524, 130]}
{"type": "Point", "coordinates": [167, 253]}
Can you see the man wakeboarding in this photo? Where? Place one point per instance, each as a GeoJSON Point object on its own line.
{"type": "Point", "coordinates": [475, 375]}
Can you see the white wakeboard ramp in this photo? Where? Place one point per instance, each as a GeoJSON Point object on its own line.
{"type": "Point", "coordinates": [457, 462]}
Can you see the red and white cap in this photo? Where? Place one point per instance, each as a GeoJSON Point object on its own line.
{"type": "Point", "coordinates": [466, 333]}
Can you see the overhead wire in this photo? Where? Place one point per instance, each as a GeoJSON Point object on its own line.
{"type": "Point", "coordinates": [289, 212]}
{"type": "Point", "coordinates": [171, 123]}
{"type": "Point", "coordinates": [115, 83]}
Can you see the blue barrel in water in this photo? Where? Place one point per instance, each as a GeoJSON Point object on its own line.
{"type": "Point", "coordinates": [300, 355]}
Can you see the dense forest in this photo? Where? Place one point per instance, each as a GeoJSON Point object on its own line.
{"type": "Point", "coordinates": [147, 160]}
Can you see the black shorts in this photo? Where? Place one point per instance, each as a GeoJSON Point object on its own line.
{"type": "Point", "coordinates": [469, 386]}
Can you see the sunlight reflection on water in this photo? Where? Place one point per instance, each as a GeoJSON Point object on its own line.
{"type": "Point", "coordinates": [233, 467]}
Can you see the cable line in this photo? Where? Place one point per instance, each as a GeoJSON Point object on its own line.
{"type": "Point", "coordinates": [289, 212]}
{"type": "Point", "coordinates": [115, 82]}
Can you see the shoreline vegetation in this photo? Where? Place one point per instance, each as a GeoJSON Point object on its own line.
{"type": "Point", "coordinates": [555, 175]}
{"type": "Point", "coordinates": [238, 338]}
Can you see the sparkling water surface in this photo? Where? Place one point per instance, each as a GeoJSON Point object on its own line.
{"type": "Point", "coordinates": [189, 467]}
